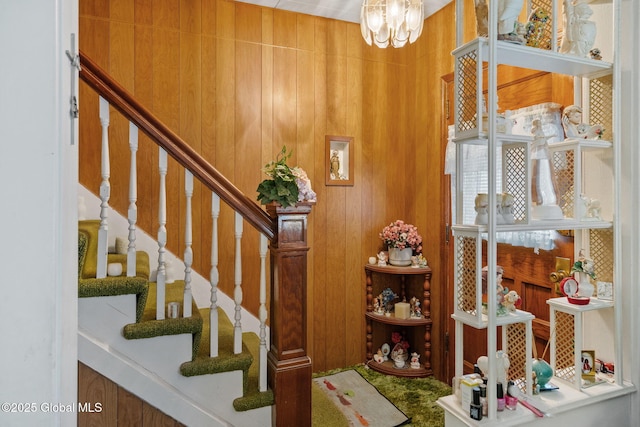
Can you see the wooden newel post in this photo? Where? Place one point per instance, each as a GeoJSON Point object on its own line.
{"type": "Point", "coordinates": [289, 366]}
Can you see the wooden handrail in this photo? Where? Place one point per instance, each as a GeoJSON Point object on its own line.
{"type": "Point", "coordinates": [177, 148]}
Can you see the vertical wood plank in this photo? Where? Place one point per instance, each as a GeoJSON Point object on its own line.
{"type": "Point", "coordinates": [248, 130]}
{"type": "Point", "coordinates": [191, 16]}
{"type": "Point", "coordinates": [355, 291]}
{"type": "Point", "coordinates": [121, 67]}
{"type": "Point", "coordinates": [248, 22]}
{"type": "Point", "coordinates": [320, 303]}
{"type": "Point", "coordinates": [225, 150]}
{"type": "Point", "coordinates": [152, 417]}
{"type": "Point", "coordinates": [122, 10]}
{"type": "Point", "coordinates": [129, 409]}
{"type": "Point", "coordinates": [94, 388]}
{"type": "Point", "coordinates": [166, 95]}
{"type": "Point", "coordinates": [191, 123]}
{"type": "Point", "coordinates": [284, 25]}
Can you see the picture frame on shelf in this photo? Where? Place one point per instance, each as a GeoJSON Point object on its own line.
{"type": "Point", "coordinates": [339, 160]}
{"type": "Point", "coordinates": [605, 291]}
{"type": "Point", "coordinates": [588, 367]}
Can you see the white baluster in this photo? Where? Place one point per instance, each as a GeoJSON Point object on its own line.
{"type": "Point", "coordinates": [132, 213]}
{"type": "Point", "coordinates": [237, 293]}
{"type": "Point", "coordinates": [188, 251]}
{"type": "Point", "coordinates": [262, 313]}
{"type": "Point", "coordinates": [105, 193]}
{"type": "Point", "coordinates": [162, 237]}
{"type": "Point", "coordinates": [214, 277]}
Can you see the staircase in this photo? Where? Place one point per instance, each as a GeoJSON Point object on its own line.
{"type": "Point", "coordinates": [118, 312]}
{"type": "Point", "coordinates": [200, 368]}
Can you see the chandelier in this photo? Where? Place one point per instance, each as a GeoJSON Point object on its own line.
{"type": "Point", "coordinates": [391, 21]}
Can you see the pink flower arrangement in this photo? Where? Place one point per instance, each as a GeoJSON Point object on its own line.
{"type": "Point", "coordinates": [401, 235]}
{"type": "Point", "coordinates": [396, 338]}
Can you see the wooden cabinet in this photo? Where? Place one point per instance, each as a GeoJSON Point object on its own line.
{"type": "Point", "coordinates": [406, 282]}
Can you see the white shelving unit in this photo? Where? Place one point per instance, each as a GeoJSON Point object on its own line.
{"type": "Point", "coordinates": [594, 91]}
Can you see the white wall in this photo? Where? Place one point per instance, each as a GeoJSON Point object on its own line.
{"type": "Point", "coordinates": [38, 179]}
{"type": "Point", "coordinates": [629, 73]}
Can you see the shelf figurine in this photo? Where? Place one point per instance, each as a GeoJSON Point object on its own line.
{"type": "Point", "coordinates": [544, 190]}
{"type": "Point", "coordinates": [414, 308]}
{"type": "Point", "coordinates": [508, 12]}
{"type": "Point", "coordinates": [382, 259]}
{"type": "Point", "coordinates": [502, 365]}
{"type": "Point", "coordinates": [511, 301]}
{"type": "Point", "coordinates": [507, 208]}
{"type": "Point", "coordinates": [592, 208]}
{"type": "Point", "coordinates": [378, 357]}
{"type": "Point", "coordinates": [580, 33]}
{"type": "Point", "coordinates": [574, 128]}
{"type": "Point", "coordinates": [415, 360]}
{"type": "Point", "coordinates": [481, 207]}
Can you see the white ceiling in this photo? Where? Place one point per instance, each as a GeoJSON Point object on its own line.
{"type": "Point", "coordinates": [343, 10]}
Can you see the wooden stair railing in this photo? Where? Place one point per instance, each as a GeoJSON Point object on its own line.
{"type": "Point", "coordinates": [288, 370]}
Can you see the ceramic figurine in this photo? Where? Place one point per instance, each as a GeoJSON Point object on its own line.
{"type": "Point", "coordinates": [414, 261]}
{"type": "Point", "coordinates": [508, 12]}
{"type": "Point", "coordinates": [414, 307]}
{"type": "Point", "coordinates": [544, 190]}
{"type": "Point", "coordinates": [481, 207]}
{"type": "Point", "coordinates": [502, 365]}
{"type": "Point", "coordinates": [595, 54]}
{"type": "Point", "coordinates": [415, 361]}
{"type": "Point", "coordinates": [382, 259]}
{"type": "Point", "coordinates": [378, 357]}
{"type": "Point", "coordinates": [305, 192]}
{"type": "Point", "coordinates": [574, 128]}
{"type": "Point", "coordinates": [591, 208]}
{"type": "Point", "coordinates": [580, 33]}
{"type": "Point", "coordinates": [507, 208]}
{"type": "Point", "coordinates": [335, 165]}
{"type": "Point", "coordinates": [511, 300]}
{"type": "Point", "coordinates": [499, 217]}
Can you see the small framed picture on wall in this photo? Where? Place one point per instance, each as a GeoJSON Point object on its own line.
{"type": "Point", "coordinates": [339, 160]}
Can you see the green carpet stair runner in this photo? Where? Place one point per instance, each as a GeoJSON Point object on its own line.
{"type": "Point", "coordinates": [147, 326]}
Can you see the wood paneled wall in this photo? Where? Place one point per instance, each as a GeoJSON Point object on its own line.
{"type": "Point", "coordinates": [109, 404]}
{"type": "Point", "coordinates": [238, 82]}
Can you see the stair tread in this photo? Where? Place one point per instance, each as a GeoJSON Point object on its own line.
{"type": "Point", "coordinates": [149, 327]}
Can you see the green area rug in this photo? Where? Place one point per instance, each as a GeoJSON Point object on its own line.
{"type": "Point", "coordinates": [415, 397]}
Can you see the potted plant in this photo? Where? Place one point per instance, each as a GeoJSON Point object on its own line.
{"type": "Point", "coordinates": [285, 186]}
{"type": "Point", "coordinates": [402, 240]}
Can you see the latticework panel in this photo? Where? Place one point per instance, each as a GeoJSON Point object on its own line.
{"type": "Point", "coordinates": [466, 267]}
{"type": "Point", "coordinates": [601, 251]}
{"type": "Point", "coordinates": [517, 352]}
{"type": "Point", "coordinates": [515, 166]}
{"type": "Point", "coordinates": [563, 163]}
{"type": "Point", "coordinates": [601, 103]}
{"type": "Point", "coordinates": [565, 346]}
{"type": "Point", "coordinates": [545, 39]}
{"type": "Point", "coordinates": [467, 119]}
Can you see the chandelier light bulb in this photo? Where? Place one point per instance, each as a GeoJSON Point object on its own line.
{"type": "Point", "coordinates": [394, 22]}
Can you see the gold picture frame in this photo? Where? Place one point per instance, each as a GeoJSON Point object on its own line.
{"type": "Point", "coordinates": [339, 160]}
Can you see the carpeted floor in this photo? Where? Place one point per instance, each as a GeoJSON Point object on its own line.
{"type": "Point", "coordinates": [416, 397]}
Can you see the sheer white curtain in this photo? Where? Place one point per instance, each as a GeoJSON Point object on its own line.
{"type": "Point", "coordinates": [475, 180]}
